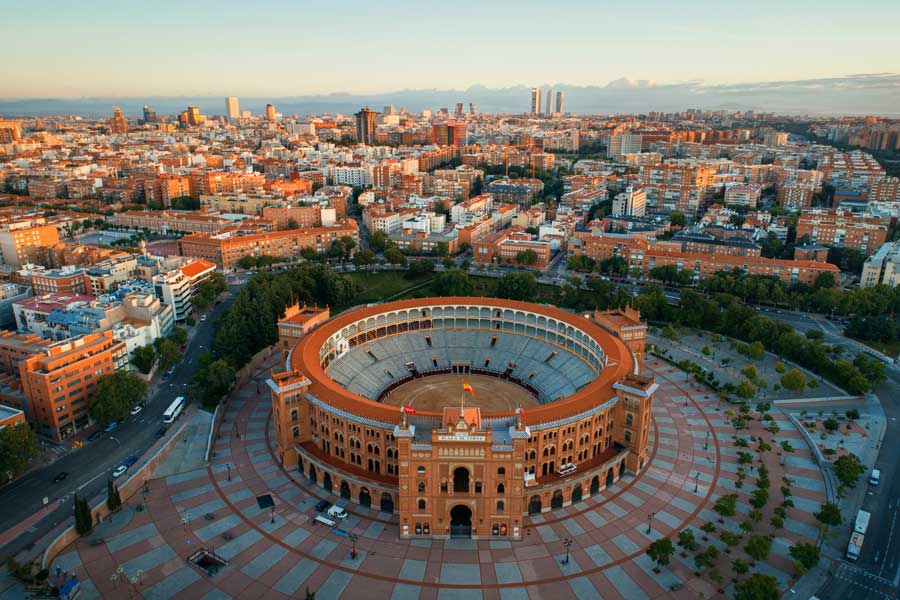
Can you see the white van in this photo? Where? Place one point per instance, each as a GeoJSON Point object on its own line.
{"type": "Point", "coordinates": [325, 521]}
{"type": "Point", "coordinates": [336, 512]}
{"type": "Point", "coordinates": [875, 477]}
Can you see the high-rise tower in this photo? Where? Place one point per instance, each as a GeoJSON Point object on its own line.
{"type": "Point", "coordinates": [365, 126]}
{"type": "Point", "coordinates": [536, 101]}
{"type": "Point", "coordinates": [232, 110]}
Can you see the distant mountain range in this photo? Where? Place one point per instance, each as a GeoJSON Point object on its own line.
{"type": "Point", "coordinates": [872, 93]}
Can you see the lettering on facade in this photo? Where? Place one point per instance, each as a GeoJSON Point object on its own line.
{"type": "Point", "coordinates": [461, 438]}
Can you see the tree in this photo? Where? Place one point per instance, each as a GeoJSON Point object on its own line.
{"type": "Point", "coordinates": [847, 469]}
{"type": "Point", "coordinates": [677, 219]}
{"type": "Point", "coordinates": [686, 539]}
{"type": "Point", "coordinates": [739, 566]}
{"type": "Point", "coordinates": [378, 241]}
{"type": "Point", "coordinates": [113, 500]}
{"type": "Point", "coordinates": [452, 282]}
{"type": "Point", "coordinates": [18, 447]}
{"type": "Point", "coordinates": [169, 353]}
{"type": "Point", "coordinates": [725, 506]}
{"type": "Point", "coordinates": [661, 551]}
{"type": "Point", "coordinates": [219, 378]}
{"type": "Point", "coordinates": [527, 257]}
{"type": "Point", "coordinates": [178, 335]}
{"type": "Point", "coordinates": [143, 358]}
{"type": "Point", "coordinates": [757, 587]}
{"type": "Point", "coordinates": [394, 257]}
{"type": "Point", "coordinates": [292, 224]}
{"type": "Point", "coordinates": [442, 249]}
{"type": "Point", "coordinates": [84, 521]}
{"type": "Point", "coordinates": [758, 547]}
{"type": "Point", "coordinates": [793, 380]}
{"type": "Point", "coordinates": [115, 395]}
{"type": "Point", "coordinates": [805, 554]}
{"type": "Point", "coordinates": [364, 258]}
{"type": "Point", "coordinates": [706, 558]}
{"type": "Point", "coordinates": [420, 267]}
{"type": "Point", "coordinates": [517, 286]}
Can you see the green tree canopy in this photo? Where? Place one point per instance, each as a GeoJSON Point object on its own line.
{"type": "Point", "coordinates": [661, 550]}
{"type": "Point", "coordinates": [805, 554]}
{"type": "Point", "coordinates": [169, 353]}
{"type": "Point", "coordinates": [452, 282]}
{"type": "Point", "coordinates": [394, 257]}
{"type": "Point", "coordinates": [527, 257]}
{"type": "Point", "coordinates": [758, 547]}
{"type": "Point", "coordinates": [847, 469]}
{"type": "Point", "coordinates": [115, 396]}
{"type": "Point", "coordinates": [517, 286]}
{"type": "Point", "coordinates": [18, 447]}
{"type": "Point", "coordinates": [378, 241]}
{"type": "Point", "coordinates": [143, 358]}
{"type": "Point", "coordinates": [793, 380]}
{"type": "Point", "coordinates": [757, 587]}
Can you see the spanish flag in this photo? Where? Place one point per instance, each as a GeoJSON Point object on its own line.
{"type": "Point", "coordinates": [468, 388]}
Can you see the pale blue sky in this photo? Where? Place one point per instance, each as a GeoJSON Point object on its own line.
{"type": "Point", "coordinates": [216, 48]}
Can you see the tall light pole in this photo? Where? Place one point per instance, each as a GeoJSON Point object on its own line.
{"type": "Point", "coordinates": [353, 539]}
{"type": "Point", "coordinates": [696, 482]}
{"type": "Point", "coordinates": [650, 522]}
{"type": "Point", "coordinates": [566, 543]}
{"type": "Point", "coordinates": [228, 466]}
{"type": "Point", "coordinates": [706, 446]}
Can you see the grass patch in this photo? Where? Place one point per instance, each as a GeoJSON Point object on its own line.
{"type": "Point", "coordinates": [892, 349]}
{"type": "Point", "coordinates": [375, 287]}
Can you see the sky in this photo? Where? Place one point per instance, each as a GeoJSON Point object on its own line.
{"type": "Point", "coordinates": [133, 48]}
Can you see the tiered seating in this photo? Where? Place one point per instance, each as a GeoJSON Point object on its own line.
{"type": "Point", "coordinates": [368, 373]}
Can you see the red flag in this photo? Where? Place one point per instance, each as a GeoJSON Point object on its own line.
{"type": "Point", "coordinates": [468, 388]}
{"type": "Point", "coordinates": [408, 410]}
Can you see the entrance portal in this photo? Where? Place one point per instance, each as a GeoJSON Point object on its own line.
{"type": "Point", "coordinates": [460, 521]}
{"type": "Point", "coordinates": [461, 480]}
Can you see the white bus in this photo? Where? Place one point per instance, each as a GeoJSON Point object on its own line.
{"type": "Point", "coordinates": [174, 410]}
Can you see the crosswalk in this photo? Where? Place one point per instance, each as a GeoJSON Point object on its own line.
{"type": "Point", "coordinates": [878, 587]}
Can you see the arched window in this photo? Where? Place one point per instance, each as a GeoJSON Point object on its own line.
{"type": "Point", "coordinates": [501, 471]}
{"type": "Point", "coordinates": [295, 432]}
{"type": "Point", "coordinates": [501, 489]}
{"type": "Point", "coordinates": [421, 505]}
{"type": "Point", "coordinates": [421, 487]}
{"type": "Point", "coordinates": [500, 506]}
{"type": "Point", "coordinates": [421, 470]}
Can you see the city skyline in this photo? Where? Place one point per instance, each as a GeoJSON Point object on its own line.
{"type": "Point", "coordinates": [278, 59]}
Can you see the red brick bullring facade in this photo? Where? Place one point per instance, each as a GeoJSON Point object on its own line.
{"type": "Point", "coordinates": [464, 471]}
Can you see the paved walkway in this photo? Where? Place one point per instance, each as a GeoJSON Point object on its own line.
{"type": "Point", "coordinates": [282, 557]}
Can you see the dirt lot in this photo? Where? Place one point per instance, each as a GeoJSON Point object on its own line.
{"type": "Point", "coordinates": [435, 392]}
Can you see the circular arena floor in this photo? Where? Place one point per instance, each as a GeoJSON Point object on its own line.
{"type": "Point", "coordinates": [435, 392]}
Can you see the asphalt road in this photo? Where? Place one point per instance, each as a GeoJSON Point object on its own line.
{"type": "Point", "coordinates": [90, 466]}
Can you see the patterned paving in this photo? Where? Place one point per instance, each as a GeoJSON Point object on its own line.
{"type": "Point", "coordinates": [282, 553]}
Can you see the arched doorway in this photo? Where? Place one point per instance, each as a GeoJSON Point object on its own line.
{"type": "Point", "coordinates": [326, 482]}
{"type": "Point", "coordinates": [312, 473]}
{"type": "Point", "coordinates": [460, 480]}
{"type": "Point", "coordinates": [595, 485]}
{"type": "Point", "coordinates": [387, 503]}
{"type": "Point", "coordinates": [461, 521]}
{"type": "Point", "coordinates": [576, 493]}
{"type": "Point", "coordinates": [364, 498]}
{"type": "Point", "coordinates": [621, 468]}
{"type": "Point", "coordinates": [557, 500]}
{"type": "Point", "coordinates": [534, 505]}
{"type": "Point", "coordinates": [609, 478]}
{"type": "Point", "coordinates": [345, 490]}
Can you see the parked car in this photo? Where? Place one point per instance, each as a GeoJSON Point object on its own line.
{"type": "Point", "coordinates": [111, 426]}
{"type": "Point", "coordinates": [136, 410]}
{"type": "Point", "coordinates": [203, 318]}
{"type": "Point", "coordinates": [119, 471]}
{"type": "Point", "coordinates": [60, 476]}
{"type": "Point", "coordinates": [168, 373]}
{"type": "Point", "coordinates": [95, 435]}
{"type": "Point", "coordinates": [130, 460]}
{"type": "Point", "coordinates": [336, 512]}
{"type": "Point", "coordinates": [160, 432]}
{"type": "Point", "coordinates": [322, 505]}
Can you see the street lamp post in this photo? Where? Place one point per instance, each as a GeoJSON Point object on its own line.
{"type": "Point", "coordinates": [353, 538]}
{"type": "Point", "coordinates": [567, 543]}
{"type": "Point", "coordinates": [706, 446]}
{"type": "Point", "coordinates": [273, 516]}
{"type": "Point", "coordinates": [228, 466]}
{"type": "Point", "coordinates": [650, 522]}
{"type": "Point", "coordinates": [696, 482]}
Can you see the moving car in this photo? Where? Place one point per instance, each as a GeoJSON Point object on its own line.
{"type": "Point", "coordinates": [322, 505]}
{"type": "Point", "coordinates": [875, 477]}
{"type": "Point", "coordinates": [168, 373]}
{"type": "Point", "coordinates": [130, 460]}
{"type": "Point", "coordinates": [336, 512]}
{"type": "Point", "coordinates": [203, 318]}
{"type": "Point", "coordinates": [111, 426]}
{"type": "Point", "coordinates": [60, 476]}
{"type": "Point", "coordinates": [136, 410]}
{"type": "Point", "coordinates": [119, 471]}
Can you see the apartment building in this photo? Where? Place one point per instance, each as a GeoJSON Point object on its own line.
{"type": "Point", "coordinates": [282, 215]}
{"type": "Point", "coordinates": [882, 267]}
{"type": "Point", "coordinates": [852, 170]}
{"type": "Point", "coordinates": [225, 249]}
{"type": "Point", "coordinates": [67, 280]}
{"type": "Point", "coordinates": [842, 229]}
{"type": "Point", "coordinates": [176, 287]}
{"type": "Point", "coordinates": [242, 204]}
{"type": "Point", "coordinates": [58, 381]}
{"type": "Point", "coordinates": [504, 247]}
{"type": "Point", "coordinates": [26, 241]}
{"type": "Point", "coordinates": [791, 272]}
{"type": "Point", "coordinates": [742, 195]}
{"type": "Point", "coordinates": [467, 210]}
{"type": "Point", "coordinates": [624, 143]}
{"type": "Point", "coordinates": [170, 220]}
{"type": "Point", "coordinates": [106, 275]}
{"type": "Point", "coordinates": [795, 196]}
{"type": "Point", "coordinates": [885, 189]}
{"type": "Point", "coordinates": [632, 202]}
{"type": "Point", "coordinates": [516, 191]}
